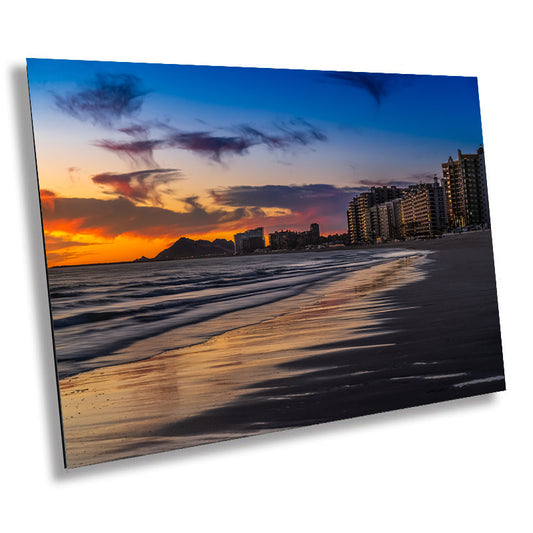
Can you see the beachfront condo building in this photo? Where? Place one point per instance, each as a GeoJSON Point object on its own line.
{"type": "Point", "coordinates": [423, 210]}
{"type": "Point", "coordinates": [359, 223]}
{"type": "Point", "coordinates": [465, 186]}
{"type": "Point", "coordinates": [384, 221]}
{"type": "Point", "coordinates": [249, 241]}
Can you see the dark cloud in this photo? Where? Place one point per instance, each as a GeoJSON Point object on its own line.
{"type": "Point", "coordinates": [285, 135]}
{"type": "Point", "coordinates": [136, 130]}
{"type": "Point", "coordinates": [209, 145]}
{"type": "Point", "coordinates": [317, 198]}
{"type": "Point", "coordinates": [376, 85]}
{"type": "Point", "coordinates": [140, 186]}
{"type": "Point", "coordinates": [105, 99]}
{"type": "Point", "coordinates": [137, 152]}
{"type": "Point", "coordinates": [222, 216]}
{"type": "Point", "coordinates": [110, 218]}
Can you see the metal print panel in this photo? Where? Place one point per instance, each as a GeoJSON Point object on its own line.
{"type": "Point", "coordinates": [233, 251]}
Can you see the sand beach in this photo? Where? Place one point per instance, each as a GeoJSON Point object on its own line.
{"type": "Point", "coordinates": [415, 330]}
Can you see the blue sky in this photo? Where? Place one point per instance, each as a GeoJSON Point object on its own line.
{"type": "Point", "coordinates": [227, 129]}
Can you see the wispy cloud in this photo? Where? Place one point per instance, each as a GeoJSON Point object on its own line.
{"type": "Point", "coordinates": [140, 186]}
{"type": "Point", "coordinates": [135, 130]}
{"type": "Point", "coordinates": [73, 173]}
{"type": "Point", "coordinates": [296, 132]}
{"type": "Point", "coordinates": [283, 136]}
{"type": "Point", "coordinates": [107, 98]}
{"type": "Point", "coordinates": [104, 99]}
{"type": "Point", "coordinates": [231, 141]}
{"type": "Point", "coordinates": [209, 145]}
{"type": "Point", "coordinates": [377, 85]}
{"type": "Point", "coordinates": [140, 153]}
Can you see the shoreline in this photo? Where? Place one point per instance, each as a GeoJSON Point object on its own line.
{"type": "Point", "coordinates": [431, 340]}
{"type": "Point", "coordinates": [439, 349]}
{"type": "Point", "coordinates": [199, 329]}
{"type": "Point", "coordinates": [138, 400]}
{"type": "Point", "coordinates": [388, 244]}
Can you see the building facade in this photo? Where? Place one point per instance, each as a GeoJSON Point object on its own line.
{"type": "Point", "coordinates": [363, 225]}
{"type": "Point", "coordinates": [465, 187]}
{"type": "Point", "coordinates": [390, 220]}
{"type": "Point", "coordinates": [423, 210]}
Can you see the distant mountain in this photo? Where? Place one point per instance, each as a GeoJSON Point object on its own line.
{"type": "Point", "coordinates": [187, 248]}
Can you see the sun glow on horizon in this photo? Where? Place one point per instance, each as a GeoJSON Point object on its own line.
{"type": "Point", "coordinates": [131, 157]}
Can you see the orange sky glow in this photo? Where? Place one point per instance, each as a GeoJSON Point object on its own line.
{"type": "Point", "coordinates": [131, 156]}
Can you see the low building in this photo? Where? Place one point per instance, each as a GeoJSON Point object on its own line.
{"type": "Point", "coordinates": [249, 241]}
{"type": "Point", "coordinates": [293, 240]}
{"type": "Point", "coordinates": [283, 240]}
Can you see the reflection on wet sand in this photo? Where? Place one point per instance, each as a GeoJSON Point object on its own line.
{"type": "Point", "coordinates": [118, 411]}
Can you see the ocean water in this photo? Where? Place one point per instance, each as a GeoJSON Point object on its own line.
{"type": "Point", "coordinates": [119, 313]}
{"type": "Point", "coordinates": [162, 356]}
{"type": "Point", "coordinates": [277, 342]}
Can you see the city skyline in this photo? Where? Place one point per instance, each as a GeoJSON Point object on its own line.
{"type": "Point", "coordinates": [133, 156]}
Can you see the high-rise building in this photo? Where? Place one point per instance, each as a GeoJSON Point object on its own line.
{"type": "Point", "coordinates": [249, 241]}
{"type": "Point", "coordinates": [357, 220]}
{"type": "Point", "coordinates": [383, 221]}
{"type": "Point", "coordinates": [390, 219]}
{"type": "Point", "coordinates": [372, 223]}
{"type": "Point", "coordinates": [360, 227]}
{"type": "Point", "coordinates": [465, 187]}
{"type": "Point", "coordinates": [423, 210]}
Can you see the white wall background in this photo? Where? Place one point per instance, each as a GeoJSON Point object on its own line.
{"type": "Point", "coordinates": [460, 466]}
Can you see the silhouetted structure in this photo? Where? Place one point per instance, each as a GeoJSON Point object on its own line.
{"type": "Point", "coordinates": [292, 240]}
{"type": "Point", "coordinates": [249, 241]}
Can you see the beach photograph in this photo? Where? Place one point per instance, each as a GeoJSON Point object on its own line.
{"type": "Point", "coordinates": [235, 251]}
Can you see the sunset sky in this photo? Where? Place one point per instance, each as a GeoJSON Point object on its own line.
{"type": "Point", "coordinates": [132, 157]}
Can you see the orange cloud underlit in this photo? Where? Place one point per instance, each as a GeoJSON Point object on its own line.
{"type": "Point", "coordinates": [98, 234]}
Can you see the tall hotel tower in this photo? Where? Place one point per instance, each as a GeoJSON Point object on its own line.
{"type": "Point", "coordinates": [465, 190]}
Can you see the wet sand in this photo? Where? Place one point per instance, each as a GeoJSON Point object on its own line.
{"type": "Point", "coordinates": [410, 332]}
